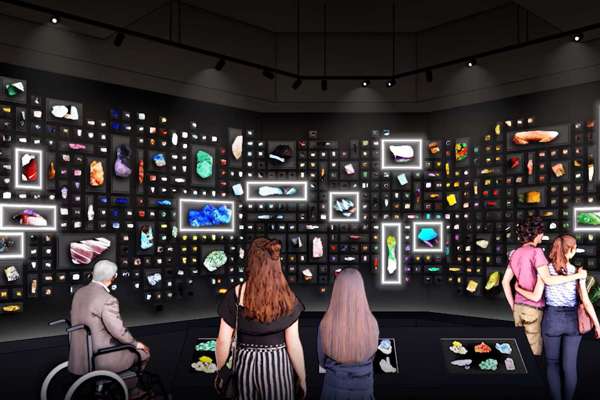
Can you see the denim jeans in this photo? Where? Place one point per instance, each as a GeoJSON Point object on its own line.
{"type": "Point", "coordinates": [561, 346]}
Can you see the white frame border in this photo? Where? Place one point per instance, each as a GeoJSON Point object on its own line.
{"type": "Point", "coordinates": [17, 169]}
{"type": "Point", "coordinates": [382, 148]}
{"type": "Point", "coordinates": [576, 227]}
{"type": "Point", "coordinates": [181, 228]}
{"type": "Point", "coordinates": [330, 210]}
{"type": "Point", "coordinates": [21, 254]}
{"type": "Point", "coordinates": [383, 253]}
{"type": "Point", "coordinates": [303, 184]}
{"type": "Point", "coordinates": [433, 250]}
{"type": "Point", "coordinates": [27, 228]}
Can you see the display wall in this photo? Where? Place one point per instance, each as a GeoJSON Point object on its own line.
{"type": "Point", "coordinates": [175, 190]}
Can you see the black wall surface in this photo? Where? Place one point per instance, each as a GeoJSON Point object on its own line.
{"type": "Point", "coordinates": [565, 105]}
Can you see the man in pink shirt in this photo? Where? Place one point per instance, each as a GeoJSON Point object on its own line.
{"type": "Point", "coordinates": [524, 264]}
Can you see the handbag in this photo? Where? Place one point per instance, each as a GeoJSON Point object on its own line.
{"type": "Point", "coordinates": [584, 321]}
{"type": "Point", "coordinates": [226, 378]}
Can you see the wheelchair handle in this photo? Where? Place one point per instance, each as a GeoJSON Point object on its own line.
{"type": "Point", "coordinates": [79, 327]}
{"type": "Point", "coordinates": [60, 321]}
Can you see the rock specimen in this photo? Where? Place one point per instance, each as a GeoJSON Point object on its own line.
{"type": "Point", "coordinates": [558, 169]}
{"type": "Point", "coordinates": [461, 151]}
{"type": "Point", "coordinates": [344, 207]}
{"type": "Point", "coordinates": [204, 164]}
{"type": "Point", "coordinates": [537, 136]}
{"type": "Point", "coordinates": [154, 279]}
{"type": "Point", "coordinates": [482, 243]}
{"type": "Point", "coordinates": [159, 160]}
{"type": "Point", "coordinates": [90, 212]}
{"type": "Point", "coordinates": [6, 243]}
{"type": "Point", "coordinates": [349, 169]}
{"type": "Point", "coordinates": [237, 189]}
{"type": "Point", "coordinates": [12, 273]}
{"type": "Point", "coordinates": [489, 364]}
{"type": "Point", "coordinates": [296, 242]}
{"type": "Point", "coordinates": [317, 247]}
{"type": "Point", "coordinates": [493, 280]}
{"type": "Point", "coordinates": [588, 218]}
{"type": "Point", "coordinates": [434, 147]}
{"type": "Point", "coordinates": [514, 162]}
{"type": "Point", "coordinates": [307, 274]}
{"type": "Point", "coordinates": [51, 171]}
{"type": "Point", "coordinates": [122, 162]}
{"type": "Point", "coordinates": [503, 348]}
{"type": "Point", "coordinates": [29, 167]}
{"type": "Point", "coordinates": [29, 217]}
{"type": "Point", "coordinates": [141, 171]}
{"type": "Point", "coordinates": [428, 236]}
{"type": "Point", "coordinates": [237, 147]}
{"type": "Point", "coordinates": [209, 215]}
{"type": "Point", "coordinates": [214, 260]}
{"type": "Point", "coordinates": [458, 348]}
{"type": "Point", "coordinates": [386, 366]}
{"type": "Point", "coordinates": [96, 173]}
{"type": "Point", "coordinates": [14, 89]}
{"type": "Point", "coordinates": [281, 154]}
{"type": "Point", "coordinates": [482, 348]}
{"type": "Point", "coordinates": [77, 146]}
{"type": "Point", "coordinates": [392, 262]}
{"type": "Point", "coordinates": [146, 237]}
{"type": "Point", "coordinates": [62, 111]}
{"type": "Point", "coordinates": [85, 251]}
{"type": "Point", "coordinates": [402, 153]}
{"type": "Point", "coordinates": [509, 363]}
{"type": "Point", "coordinates": [268, 191]}
{"type": "Point", "coordinates": [385, 346]}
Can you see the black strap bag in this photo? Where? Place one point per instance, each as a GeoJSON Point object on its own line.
{"type": "Point", "coordinates": [226, 379]}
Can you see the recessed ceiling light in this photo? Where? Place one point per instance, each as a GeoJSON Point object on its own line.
{"type": "Point", "coordinates": [391, 82]}
{"type": "Point", "coordinates": [366, 83]}
{"type": "Point", "coordinates": [471, 62]}
{"type": "Point", "coordinates": [54, 20]}
{"type": "Point", "coordinates": [577, 37]}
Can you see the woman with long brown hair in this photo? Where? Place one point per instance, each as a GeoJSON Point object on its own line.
{"type": "Point", "coordinates": [347, 340]}
{"type": "Point", "coordinates": [269, 349]}
{"type": "Point", "coordinates": [560, 323]}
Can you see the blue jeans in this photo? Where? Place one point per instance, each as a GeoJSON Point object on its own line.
{"type": "Point", "coordinates": [561, 346]}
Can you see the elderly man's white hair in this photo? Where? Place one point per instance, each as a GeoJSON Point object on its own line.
{"type": "Point", "coordinates": [104, 270]}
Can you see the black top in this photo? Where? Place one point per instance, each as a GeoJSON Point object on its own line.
{"type": "Point", "coordinates": [251, 331]}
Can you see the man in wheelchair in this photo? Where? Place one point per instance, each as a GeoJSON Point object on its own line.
{"type": "Point", "coordinates": [94, 307]}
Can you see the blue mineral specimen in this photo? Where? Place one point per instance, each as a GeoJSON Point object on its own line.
{"type": "Point", "coordinates": [209, 215]}
{"type": "Point", "coordinates": [427, 236]}
{"type": "Point", "coordinates": [163, 202]}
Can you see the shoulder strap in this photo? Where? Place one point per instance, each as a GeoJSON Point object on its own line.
{"type": "Point", "coordinates": [235, 331]}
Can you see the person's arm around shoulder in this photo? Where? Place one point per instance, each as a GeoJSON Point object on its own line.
{"type": "Point", "coordinates": [589, 307]}
{"type": "Point", "coordinates": [296, 353]}
{"type": "Point", "coordinates": [111, 317]}
{"type": "Point", "coordinates": [506, 280]}
{"type": "Point", "coordinates": [544, 273]}
{"type": "Point", "coordinates": [537, 293]}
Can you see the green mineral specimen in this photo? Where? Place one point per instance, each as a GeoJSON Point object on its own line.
{"type": "Point", "coordinates": [204, 164]}
{"type": "Point", "coordinates": [14, 89]}
{"type": "Point", "coordinates": [215, 259]}
{"type": "Point", "coordinates": [588, 218]}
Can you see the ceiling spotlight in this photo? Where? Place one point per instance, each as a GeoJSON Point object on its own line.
{"type": "Point", "coordinates": [54, 20]}
{"type": "Point", "coordinates": [297, 83]}
{"type": "Point", "coordinates": [577, 37]}
{"type": "Point", "coordinates": [391, 82]}
{"type": "Point", "coordinates": [220, 64]}
{"type": "Point", "coordinates": [429, 76]}
{"type": "Point", "coordinates": [119, 38]}
{"type": "Point", "coordinates": [268, 74]}
{"type": "Point", "coordinates": [323, 84]}
{"type": "Point", "coordinates": [471, 62]}
{"type": "Point", "coordinates": [366, 83]}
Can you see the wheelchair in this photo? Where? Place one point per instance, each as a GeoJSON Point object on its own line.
{"type": "Point", "coordinates": [96, 384]}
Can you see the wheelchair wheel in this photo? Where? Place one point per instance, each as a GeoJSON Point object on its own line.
{"type": "Point", "coordinates": [98, 385]}
{"type": "Point", "coordinates": [56, 383]}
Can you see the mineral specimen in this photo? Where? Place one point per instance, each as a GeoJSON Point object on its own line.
{"type": "Point", "coordinates": [514, 162]}
{"type": "Point", "coordinates": [6, 243]}
{"type": "Point", "coordinates": [281, 154]}
{"type": "Point", "coordinates": [458, 348]}
{"type": "Point", "coordinates": [204, 164]}
{"type": "Point", "coordinates": [154, 279]}
{"type": "Point", "coordinates": [29, 167]}
{"type": "Point", "coordinates": [237, 146]}
{"type": "Point", "coordinates": [209, 215]}
{"type": "Point", "coordinates": [482, 243]}
{"type": "Point", "coordinates": [386, 366]}
{"type": "Point", "coordinates": [214, 260]}
{"type": "Point", "coordinates": [434, 147]}
{"type": "Point", "coordinates": [96, 173]}
{"type": "Point", "coordinates": [349, 169]}
{"type": "Point", "coordinates": [344, 207]}
{"type": "Point", "coordinates": [237, 189]}
{"type": "Point", "coordinates": [209, 345]}
{"type": "Point", "coordinates": [296, 242]}
{"type": "Point", "coordinates": [205, 364]}
{"type": "Point", "coordinates": [385, 346]}
{"type": "Point", "coordinates": [392, 262]}
{"type": "Point", "coordinates": [266, 191]}
{"type": "Point", "coordinates": [493, 280]}
{"type": "Point", "coordinates": [85, 251]}
{"type": "Point", "coordinates": [464, 363]}
{"type": "Point", "coordinates": [482, 348]}
{"type": "Point", "coordinates": [461, 151]}
{"type": "Point", "coordinates": [503, 348]}
{"type": "Point", "coordinates": [14, 89]}
{"type": "Point", "coordinates": [527, 137]}
{"type": "Point", "coordinates": [62, 111]}
{"type": "Point", "coordinates": [402, 179]}
{"type": "Point", "coordinates": [141, 171]}
{"type": "Point", "coordinates": [307, 274]}
{"type": "Point", "coordinates": [122, 166]}
{"type": "Point", "coordinates": [159, 160]}
{"type": "Point", "coordinates": [533, 197]}
{"type": "Point", "coordinates": [559, 170]}
{"type": "Point", "coordinates": [509, 363]}
{"type": "Point", "coordinates": [77, 146]}
{"type": "Point", "coordinates": [146, 237]}
{"type": "Point", "coordinates": [588, 218]}
{"type": "Point", "coordinates": [428, 236]}
{"type": "Point", "coordinates": [90, 212]}
{"type": "Point", "coordinates": [29, 217]}
{"type": "Point", "coordinates": [403, 153]}
{"type": "Point", "coordinates": [51, 171]}
{"type": "Point", "coordinates": [472, 286]}
{"type": "Point", "coordinates": [490, 365]}
{"type": "Point", "coordinates": [317, 247]}
{"type": "Point", "coordinates": [11, 273]}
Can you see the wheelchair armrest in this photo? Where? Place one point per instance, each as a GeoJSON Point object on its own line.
{"type": "Point", "coordinates": [60, 321]}
{"type": "Point", "coordinates": [78, 327]}
{"type": "Point", "coordinates": [120, 347]}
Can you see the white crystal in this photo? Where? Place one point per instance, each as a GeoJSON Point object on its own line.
{"type": "Point", "coordinates": [307, 273]}
{"type": "Point", "coordinates": [174, 139]}
{"type": "Point", "coordinates": [90, 213]}
{"type": "Point", "coordinates": [237, 146]}
{"type": "Point", "coordinates": [59, 111]}
{"type": "Point", "coordinates": [482, 243]}
{"type": "Point", "coordinates": [403, 152]}
{"type": "Point", "coordinates": [237, 189]}
{"type": "Point", "coordinates": [402, 179]}
{"type": "Point", "coordinates": [265, 191]}
{"type": "Point", "coordinates": [349, 168]}
{"type": "Point", "coordinates": [73, 114]}
{"type": "Point", "coordinates": [386, 366]}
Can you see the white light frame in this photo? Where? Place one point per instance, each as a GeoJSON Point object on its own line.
{"type": "Point", "coordinates": [301, 198]}
{"type": "Point", "coordinates": [383, 253]}
{"type": "Point", "coordinates": [21, 253]}
{"type": "Point", "coordinates": [17, 169]}
{"type": "Point", "coordinates": [27, 228]}
{"type": "Point", "coordinates": [576, 228]}
{"type": "Point", "coordinates": [331, 218]}
{"type": "Point", "coordinates": [433, 250]}
{"type": "Point", "coordinates": [396, 167]}
{"type": "Point", "coordinates": [180, 216]}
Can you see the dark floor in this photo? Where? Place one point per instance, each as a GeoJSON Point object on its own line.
{"type": "Point", "coordinates": [421, 364]}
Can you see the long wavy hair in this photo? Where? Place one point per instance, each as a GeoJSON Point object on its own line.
{"type": "Point", "coordinates": [561, 246]}
{"type": "Point", "coordinates": [267, 295]}
{"type": "Point", "coordinates": [348, 331]}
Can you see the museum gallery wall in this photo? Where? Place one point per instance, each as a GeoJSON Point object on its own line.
{"type": "Point", "coordinates": [174, 191]}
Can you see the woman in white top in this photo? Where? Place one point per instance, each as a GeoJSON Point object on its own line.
{"type": "Point", "coordinates": [560, 329]}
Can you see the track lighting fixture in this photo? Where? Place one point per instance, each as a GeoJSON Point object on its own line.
{"type": "Point", "coordinates": [54, 20]}
{"type": "Point", "coordinates": [391, 82]}
{"type": "Point", "coordinates": [323, 84]}
{"type": "Point", "coordinates": [296, 83]}
{"type": "Point", "coordinates": [119, 38]}
{"type": "Point", "coordinates": [268, 74]}
{"type": "Point", "coordinates": [577, 37]}
{"type": "Point", "coordinates": [220, 64]}
{"type": "Point", "coordinates": [366, 83]}
{"type": "Point", "coordinates": [471, 62]}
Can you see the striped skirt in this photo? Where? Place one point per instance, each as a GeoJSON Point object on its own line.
{"type": "Point", "coordinates": [264, 373]}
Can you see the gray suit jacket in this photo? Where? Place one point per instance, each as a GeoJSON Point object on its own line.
{"type": "Point", "coordinates": [93, 306]}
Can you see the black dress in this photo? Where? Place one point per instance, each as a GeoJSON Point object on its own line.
{"type": "Point", "coordinates": [263, 366]}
